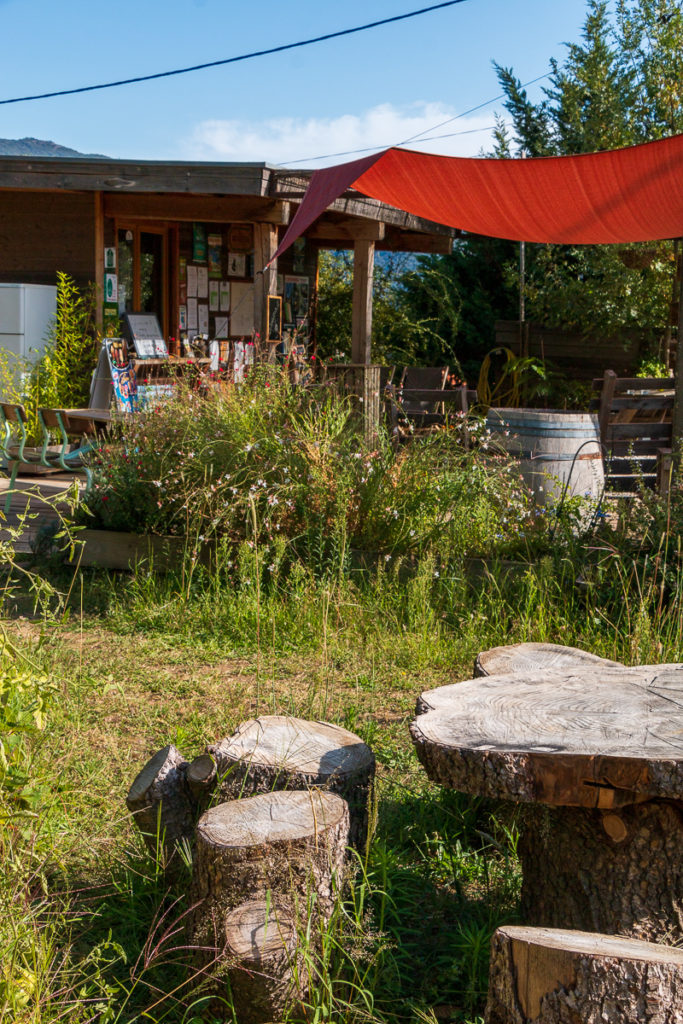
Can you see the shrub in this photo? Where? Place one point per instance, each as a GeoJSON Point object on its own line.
{"type": "Point", "coordinates": [264, 460]}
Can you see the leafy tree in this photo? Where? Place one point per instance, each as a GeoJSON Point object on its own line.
{"type": "Point", "coordinates": [619, 86]}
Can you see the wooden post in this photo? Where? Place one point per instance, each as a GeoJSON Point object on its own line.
{"type": "Point", "coordinates": [361, 317]}
{"type": "Point", "coordinates": [99, 259]}
{"type": "Point", "coordinates": [265, 278]}
{"type": "Point", "coordinates": [677, 424]}
{"type": "Point", "coordinates": [606, 396]}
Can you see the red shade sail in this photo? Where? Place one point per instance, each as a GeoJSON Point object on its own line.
{"type": "Point", "coordinates": [625, 195]}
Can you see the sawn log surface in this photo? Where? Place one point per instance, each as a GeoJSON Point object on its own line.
{"type": "Point", "coordinates": [515, 659]}
{"type": "Point", "coordinates": [591, 737]}
{"type": "Point", "coordinates": [553, 976]}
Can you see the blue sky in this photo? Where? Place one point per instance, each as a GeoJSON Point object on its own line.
{"type": "Point", "coordinates": [367, 90]}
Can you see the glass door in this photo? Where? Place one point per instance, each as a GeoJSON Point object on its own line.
{"type": "Point", "coordinates": [143, 271]}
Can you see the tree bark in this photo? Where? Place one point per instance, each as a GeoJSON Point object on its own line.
{"type": "Point", "coordinates": [262, 961]}
{"type": "Point", "coordinates": [618, 872]}
{"type": "Point", "coordinates": [291, 844]}
{"type": "Point", "coordinates": [541, 976]}
{"type": "Point", "coordinates": [162, 807]}
{"type": "Point", "coordinates": [279, 753]}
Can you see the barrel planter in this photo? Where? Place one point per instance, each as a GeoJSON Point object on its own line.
{"type": "Point", "coordinates": [556, 450]}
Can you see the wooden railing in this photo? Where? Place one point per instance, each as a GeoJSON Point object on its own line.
{"type": "Point", "coordinates": [635, 415]}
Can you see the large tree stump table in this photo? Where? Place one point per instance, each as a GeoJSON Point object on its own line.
{"type": "Point", "coordinates": [595, 756]}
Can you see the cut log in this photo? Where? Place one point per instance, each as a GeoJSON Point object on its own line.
{"type": "Point", "coordinates": [279, 753]}
{"type": "Point", "coordinates": [264, 967]}
{"type": "Point", "coordinates": [291, 844]}
{"type": "Point", "coordinates": [161, 805]}
{"type": "Point", "coordinates": [617, 873]}
{"type": "Point", "coordinates": [544, 976]}
{"type": "Point", "coordinates": [515, 659]}
{"type": "Point", "coordinates": [201, 779]}
{"type": "Point", "coordinates": [594, 737]}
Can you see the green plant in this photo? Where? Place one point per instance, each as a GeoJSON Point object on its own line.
{"type": "Point", "coordinates": [61, 376]}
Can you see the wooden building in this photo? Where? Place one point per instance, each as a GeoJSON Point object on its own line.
{"type": "Point", "coordinates": [190, 242]}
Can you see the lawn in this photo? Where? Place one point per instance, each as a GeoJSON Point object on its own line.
{"type": "Point", "coordinates": [101, 670]}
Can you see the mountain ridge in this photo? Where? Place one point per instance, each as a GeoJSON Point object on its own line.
{"type": "Point", "coordinates": [41, 147]}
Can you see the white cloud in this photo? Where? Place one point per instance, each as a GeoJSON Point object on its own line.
{"type": "Point", "coordinates": [284, 140]}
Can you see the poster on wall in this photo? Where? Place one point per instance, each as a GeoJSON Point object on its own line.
{"type": "Point", "coordinates": [241, 237]}
{"type": "Point", "coordinates": [198, 243]}
{"type": "Point", "coordinates": [203, 318]}
{"type": "Point", "coordinates": [110, 258]}
{"type": "Point", "coordinates": [192, 282]}
{"type": "Point", "coordinates": [202, 283]}
{"type": "Point", "coordinates": [242, 308]}
{"type": "Point", "coordinates": [182, 317]}
{"type": "Point", "coordinates": [237, 264]}
{"type": "Point", "coordinates": [192, 314]}
{"type": "Point", "coordinates": [111, 290]}
{"type": "Point", "coordinates": [215, 245]}
{"type": "Point", "coordinates": [224, 290]}
{"type": "Point", "coordinates": [214, 291]}
{"type": "Point", "coordinates": [221, 327]}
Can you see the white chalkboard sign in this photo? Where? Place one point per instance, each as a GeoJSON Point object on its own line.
{"type": "Point", "coordinates": [146, 335]}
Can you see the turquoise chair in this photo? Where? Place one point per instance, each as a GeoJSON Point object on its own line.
{"type": "Point", "coordinates": [15, 447]}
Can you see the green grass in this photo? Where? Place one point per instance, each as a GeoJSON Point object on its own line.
{"type": "Point", "coordinates": [88, 930]}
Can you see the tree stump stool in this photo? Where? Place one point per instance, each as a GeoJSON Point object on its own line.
{"type": "Point", "coordinates": [290, 844]}
{"type": "Point", "coordinates": [162, 806]}
{"type": "Point", "coordinates": [263, 965]}
{"type": "Point", "coordinates": [515, 659]}
{"type": "Point", "coordinates": [279, 753]}
{"type": "Point", "coordinates": [552, 976]}
{"type": "Point", "coordinates": [602, 748]}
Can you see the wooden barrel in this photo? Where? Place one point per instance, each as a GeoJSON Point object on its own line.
{"type": "Point", "coordinates": [555, 448]}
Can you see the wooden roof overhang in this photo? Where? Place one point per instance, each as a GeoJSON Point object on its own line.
{"type": "Point", "coordinates": [258, 192]}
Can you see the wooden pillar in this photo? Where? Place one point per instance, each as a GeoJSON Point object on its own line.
{"type": "Point", "coordinates": [361, 317]}
{"type": "Point", "coordinates": [99, 258]}
{"type": "Point", "coordinates": [265, 278]}
{"type": "Point", "coordinates": [677, 426]}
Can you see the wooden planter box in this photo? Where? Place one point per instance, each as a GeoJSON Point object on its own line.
{"type": "Point", "coordinates": [108, 549]}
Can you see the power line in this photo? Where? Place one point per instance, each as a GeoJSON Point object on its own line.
{"type": "Point", "coordinates": [424, 132]}
{"type": "Point", "coordinates": [370, 149]}
{"type": "Point", "coordinates": [235, 60]}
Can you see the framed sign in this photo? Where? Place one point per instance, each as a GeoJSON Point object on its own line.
{"type": "Point", "coordinates": [241, 237]}
{"type": "Point", "coordinates": [274, 318]}
{"type": "Point", "coordinates": [237, 264]}
{"type": "Point", "coordinates": [145, 334]}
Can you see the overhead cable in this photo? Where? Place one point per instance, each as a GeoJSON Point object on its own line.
{"type": "Point", "coordinates": [235, 60]}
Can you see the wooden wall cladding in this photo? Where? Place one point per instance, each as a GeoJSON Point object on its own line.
{"type": "Point", "coordinates": [42, 232]}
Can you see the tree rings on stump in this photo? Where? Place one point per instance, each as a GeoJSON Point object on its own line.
{"type": "Point", "coordinates": [291, 844]}
{"type": "Point", "coordinates": [553, 976]}
{"type": "Point", "coordinates": [534, 658]}
{"type": "Point", "coordinates": [276, 753]}
{"type": "Point", "coordinates": [263, 965]}
{"type": "Point", "coordinates": [160, 802]}
{"type": "Point", "coordinates": [201, 779]}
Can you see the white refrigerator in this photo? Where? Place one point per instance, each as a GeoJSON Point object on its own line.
{"type": "Point", "coordinates": [26, 311]}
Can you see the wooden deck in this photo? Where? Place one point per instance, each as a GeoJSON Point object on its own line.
{"type": "Point", "coordinates": [41, 497]}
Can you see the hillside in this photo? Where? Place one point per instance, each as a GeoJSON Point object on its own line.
{"type": "Point", "coordinates": [39, 147]}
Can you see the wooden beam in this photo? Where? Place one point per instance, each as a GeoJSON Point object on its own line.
{"type": "Point", "coordinates": [210, 209]}
{"type": "Point", "coordinates": [99, 258]}
{"type": "Point", "coordinates": [265, 279]}
{"type": "Point", "coordinates": [414, 241]}
{"type": "Point", "coordinates": [348, 230]}
{"type": "Point", "coordinates": [361, 315]}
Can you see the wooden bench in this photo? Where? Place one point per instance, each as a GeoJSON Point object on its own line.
{"type": "Point", "coordinates": [635, 415]}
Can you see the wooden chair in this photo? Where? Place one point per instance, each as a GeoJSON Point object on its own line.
{"type": "Point", "coordinates": [423, 378]}
{"type": "Point", "coordinates": [72, 457]}
{"type": "Point", "coordinates": [16, 449]}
